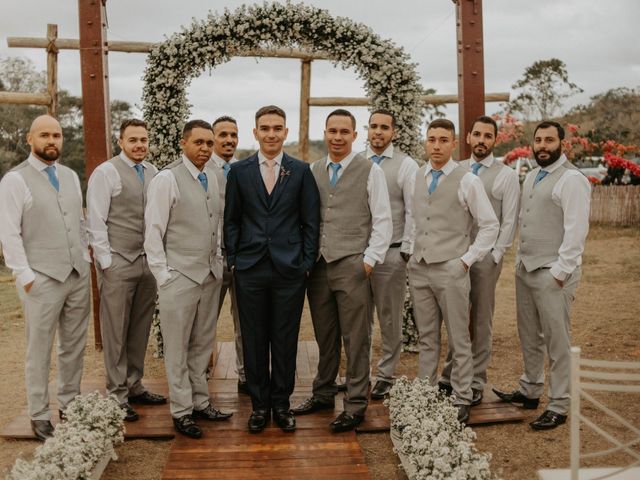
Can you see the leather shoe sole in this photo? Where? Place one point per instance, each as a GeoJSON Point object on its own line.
{"type": "Point", "coordinates": [311, 405]}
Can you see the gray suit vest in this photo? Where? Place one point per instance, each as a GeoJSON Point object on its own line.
{"type": "Point", "coordinates": [443, 226]}
{"type": "Point", "coordinates": [345, 225]}
{"type": "Point", "coordinates": [51, 227]}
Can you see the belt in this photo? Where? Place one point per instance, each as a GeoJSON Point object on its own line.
{"type": "Point", "coordinates": [395, 245]}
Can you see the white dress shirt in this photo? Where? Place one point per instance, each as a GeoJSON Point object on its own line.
{"type": "Point", "coordinates": [572, 193]}
{"type": "Point", "coordinates": [220, 162]}
{"type": "Point", "coordinates": [263, 167]}
{"type": "Point", "coordinates": [381, 223]}
{"type": "Point", "coordinates": [104, 184]}
{"type": "Point", "coordinates": [407, 171]}
{"type": "Point", "coordinates": [15, 200]}
{"type": "Point", "coordinates": [162, 196]}
{"type": "Point", "coordinates": [506, 188]}
{"type": "Point", "coordinates": [472, 198]}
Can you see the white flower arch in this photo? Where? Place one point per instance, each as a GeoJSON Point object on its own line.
{"type": "Point", "coordinates": [390, 78]}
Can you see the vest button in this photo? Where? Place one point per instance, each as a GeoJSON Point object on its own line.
{"type": "Point", "coordinates": [210, 215]}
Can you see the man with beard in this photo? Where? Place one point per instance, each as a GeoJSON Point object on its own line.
{"type": "Point", "coordinates": [389, 278]}
{"type": "Point", "coordinates": [183, 248]}
{"type": "Point", "coordinates": [554, 222]}
{"type": "Point", "coordinates": [44, 242]}
{"type": "Point", "coordinates": [225, 142]}
{"type": "Point", "coordinates": [116, 197]}
{"type": "Point", "coordinates": [503, 189]}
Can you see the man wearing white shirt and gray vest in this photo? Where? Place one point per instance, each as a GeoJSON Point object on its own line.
{"type": "Point", "coordinates": [355, 233]}
{"type": "Point", "coordinates": [448, 200]}
{"type": "Point", "coordinates": [44, 244]}
{"type": "Point", "coordinates": [389, 278]}
{"type": "Point", "coordinates": [554, 222]}
{"type": "Point", "coordinates": [503, 189]}
{"type": "Point", "coordinates": [183, 250]}
{"type": "Point", "coordinates": [116, 197]}
{"type": "Point", "coordinates": [225, 142]}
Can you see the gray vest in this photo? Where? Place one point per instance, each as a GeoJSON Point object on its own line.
{"type": "Point", "coordinates": [51, 227]}
{"type": "Point", "coordinates": [542, 221]}
{"type": "Point", "coordinates": [391, 167]}
{"type": "Point", "coordinates": [191, 238]}
{"type": "Point", "coordinates": [345, 216]}
{"type": "Point", "coordinates": [488, 177]}
{"type": "Point", "coordinates": [222, 188]}
{"type": "Point", "coordinates": [443, 227]}
{"type": "Point", "coordinates": [125, 223]}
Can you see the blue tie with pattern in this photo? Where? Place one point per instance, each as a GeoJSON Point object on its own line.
{"type": "Point", "coordinates": [377, 159]}
{"type": "Point", "coordinates": [203, 181]}
{"type": "Point", "coordinates": [51, 172]}
{"type": "Point", "coordinates": [541, 174]}
{"type": "Point", "coordinates": [334, 177]}
{"type": "Point", "coordinates": [140, 171]}
{"type": "Point", "coordinates": [435, 176]}
{"type": "Point", "coordinates": [476, 168]}
{"type": "Point", "coordinates": [225, 168]}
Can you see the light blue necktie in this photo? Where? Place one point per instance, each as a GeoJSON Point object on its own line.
{"type": "Point", "coordinates": [540, 176]}
{"type": "Point", "coordinates": [334, 177]}
{"type": "Point", "coordinates": [435, 176]}
{"type": "Point", "coordinates": [51, 172]}
{"type": "Point", "coordinates": [225, 168]}
{"type": "Point", "coordinates": [377, 159]}
{"type": "Point", "coordinates": [476, 168]}
{"type": "Point", "coordinates": [140, 171]}
{"type": "Point", "coordinates": [203, 181]}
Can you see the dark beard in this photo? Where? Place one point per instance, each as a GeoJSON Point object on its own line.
{"type": "Point", "coordinates": [48, 157]}
{"type": "Point", "coordinates": [483, 155]}
{"type": "Point", "coordinates": [553, 156]}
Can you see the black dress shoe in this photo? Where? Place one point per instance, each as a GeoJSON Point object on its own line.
{"type": "Point", "coordinates": [517, 397]}
{"type": "Point", "coordinates": [381, 389]}
{"type": "Point", "coordinates": [445, 388]}
{"type": "Point", "coordinates": [345, 422]}
{"type": "Point", "coordinates": [476, 398]}
{"type": "Point", "coordinates": [148, 398]}
{"type": "Point", "coordinates": [258, 420]}
{"type": "Point", "coordinates": [186, 426]}
{"type": "Point", "coordinates": [463, 413]}
{"type": "Point", "coordinates": [130, 414]}
{"type": "Point", "coordinates": [311, 405]}
{"type": "Point", "coordinates": [285, 420]}
{"type": "Point", "coordinates": [211, 414]}
{"type": "Point", "coordinates": [42, 429]}
{"type": "Point", "coordinates": [243, 388]}
{"type": "Point", "coordinates": [342, 387]}
{"type": "Point", "coordinates": [548, 420]}
{"type": "Point", "coordinates": [63, 415]}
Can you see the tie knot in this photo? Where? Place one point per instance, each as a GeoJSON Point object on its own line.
{"type": "Point", "coordinates": [50, 169]}
{"type": "Point", "coordinates": [541, 174]}
{"type": "Point", "coordinates": [476, 167]}
{"type": "Point", "coordinates": [335, 167]}
{"type": "Point", "coordinates": [138, 167]}
{"type": "Point", "coordinates": [202, 176]}
{"type": "Point", "coordinates": [377, 159]}
{"type": "Point", "coordinates": [436, 173]}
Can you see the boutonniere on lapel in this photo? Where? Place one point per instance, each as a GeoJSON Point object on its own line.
{"type": "Point", "coordinates": [284, 172]}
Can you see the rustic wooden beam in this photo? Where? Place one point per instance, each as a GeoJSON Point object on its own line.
{"type": "Point", "coordinates": [52, 69]}
{"type": "Point", "coordinates": [305, 95]}
{"type": "Point", "coordinates": [425, 99]}
{"type": "Point", "coordinates": [20, 98]}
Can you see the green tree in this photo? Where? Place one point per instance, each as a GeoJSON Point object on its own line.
{"type": "Point", "coordinates": [542, 90]}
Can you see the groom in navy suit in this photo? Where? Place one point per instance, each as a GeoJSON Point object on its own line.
{"type": "Point", "coordinates": [271, 224]}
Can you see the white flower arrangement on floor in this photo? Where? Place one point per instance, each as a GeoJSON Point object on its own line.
{"type": "Point", "coordinates": [428, 437]}
{"type": "Point", "coordinates": [94, 425]}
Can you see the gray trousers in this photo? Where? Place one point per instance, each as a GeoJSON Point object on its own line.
{"type": "Point", "coordinates": [441, 292]}
{"type": "Point", "coordinates": [389, 283]}
{"type": "Point", "coordinates": [543, 324]}
{"type": "Point", "coordinates": [228, 286]}
{"type": "Point", "coordinates": [341, 306]}
{"type": "Point", "coordinates": [188, 317]}
{"type": "Point", "coordinates": [127, 303]}
{"type": "Point", "coordinates": [484, 277]}
{"type": "Point", "coordinates": [51, 304]}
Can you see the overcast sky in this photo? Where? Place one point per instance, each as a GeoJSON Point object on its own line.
{"type": "Point", "coordinates": [598, 40]}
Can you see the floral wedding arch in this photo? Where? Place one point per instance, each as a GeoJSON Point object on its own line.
{"type": "Point", "coordinates": [390, 79]}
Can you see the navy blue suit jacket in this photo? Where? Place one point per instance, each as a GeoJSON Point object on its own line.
{"type": "Point", "coordinates": [284, 225]}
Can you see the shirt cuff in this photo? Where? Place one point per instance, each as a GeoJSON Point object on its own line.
{"type": "Point", "coordinates": [26, 277]}
{"type": "Point", "coordinates": [558, 274]}
{"type": "Point", "coordinates": [86, 255]}
{"type": "Point", "coordinates": [468, 259]}
{"type": "Point", "coordinates": [104, 261]}
{"type": "Point", "coordinates": [497, 256]}
{"type": "Point", "coordinates": [405, 247]}
{"type": "Point", "coordinates": [369, 261]}
{"type": "Point", "coordinates": [163, 277]}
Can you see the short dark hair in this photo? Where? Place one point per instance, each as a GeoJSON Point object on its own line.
{"type": "Point", "coordinates": [442, 123]}
{"type": "Point", "coordinates": [191, 124]}
{"type": "Point", "coordinates": [131, 122]}
{"type": "Point", "coordinates": [488, 121]}
{"type": "Point", "coordinates": [270, 110]}
{"type": "Point", "coordinates": [224, 118]}
{"type": "Point", "coordinates": [550, 123]}
{"type": "Point", "coordinates": [341, 112]}
{"type": "Point", "coordinates": [384, 111]}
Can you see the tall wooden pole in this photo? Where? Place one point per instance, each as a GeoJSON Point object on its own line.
{"type": "Point", "coordinates": [305, 94]}
{"type": "Point", "coordinates": [52, 69]}
{"type": "Point", "coordinates": [95, 105]}
{"type": "Point", "coordinates": [470, 67]}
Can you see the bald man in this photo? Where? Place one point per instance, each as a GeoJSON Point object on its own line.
{"type": "Point", "coordinates": [44, 243]}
